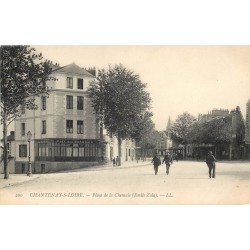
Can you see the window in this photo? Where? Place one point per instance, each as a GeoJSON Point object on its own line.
{"type": "Point", "coordinates": [23, 129]}
{"type": "Point", "coordinates": [69, 126]}
{"type": "Point", "coordinates": [80, 83]}
{"type": "Point", "coordinates": [79, 127]}
{"type": "Point", "coordinates": [69, 102]}
{"type": "Point", "coordinates": [70, 82]}
{"type": "Point", "coordinates": [23, 150]}
{"type": "Point", "coordinates": [43, 99]}
{"type": "Point", "coordinates": [43, 127]}
{"type": "Point", "coordinates": [80, 102]}
{"type": "Point", "coordinates": [42, 149]}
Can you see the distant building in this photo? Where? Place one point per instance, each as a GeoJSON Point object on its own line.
{"type": "Point", "coordinates": [215, 113]}
{"type": "Point", "coordinates": [65, 130]}
{"type": "Point", "coordinates": [164, 142]}
{"type": "Point", "coordinates": [231, 150]}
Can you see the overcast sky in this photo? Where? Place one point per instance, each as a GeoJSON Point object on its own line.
{"type": "Point", "coordinates": [195, 79]}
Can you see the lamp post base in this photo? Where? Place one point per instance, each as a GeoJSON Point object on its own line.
{"type": "Point", "coordinates": [29, 170]}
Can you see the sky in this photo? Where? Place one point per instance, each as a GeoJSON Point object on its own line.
{"type": "Point", "coordinates": [194, 79]}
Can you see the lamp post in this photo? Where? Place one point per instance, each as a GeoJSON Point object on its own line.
{"type": "Point", "coordinates": [29, 168]}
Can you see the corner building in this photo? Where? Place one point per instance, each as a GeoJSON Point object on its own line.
{"type": "Point", "coordinates": [65, 130]}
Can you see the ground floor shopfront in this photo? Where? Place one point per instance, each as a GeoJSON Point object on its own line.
{"type": "Point", "coordinates": [52, 155]}
{"type": "Point", "coordinates": [227, 151]}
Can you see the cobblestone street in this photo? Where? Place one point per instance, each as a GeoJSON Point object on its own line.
{"type": "Point", "coordinates": [187, 183]}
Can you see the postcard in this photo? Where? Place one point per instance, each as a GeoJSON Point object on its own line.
{"type": "Point", "coordinates": [128, 125]}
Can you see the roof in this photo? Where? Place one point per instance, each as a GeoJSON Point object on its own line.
{"type": "Point", "coordinates": [73, 69]}
{"type": "Point", "coordinates": [169, 124]}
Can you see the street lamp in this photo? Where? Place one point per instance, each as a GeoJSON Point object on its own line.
{"type": "Point", "coordinates": [29, 138]}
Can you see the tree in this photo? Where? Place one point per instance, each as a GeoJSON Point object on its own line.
{"type": "Point", "coordinates": [217, 131]}
{"type": "Point", "coordinates": [144, 133]}
{"type": "Point", "coordinates": [195, 134]}
{"type": "Point", "coordinates": [119, 98]}
{"type": "Point", "coordinates": [180, 130]}
{"type": "Point", "coordinates": [23, 77]}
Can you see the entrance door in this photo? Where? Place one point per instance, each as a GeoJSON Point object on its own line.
{"type": "Point", "coordinates": [42, 168]}
{"type": "Point", "coordinates": [23, 168]}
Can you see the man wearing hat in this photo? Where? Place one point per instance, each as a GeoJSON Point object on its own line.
{"type": "Point", "coordinates": [210, 160]}
{"type": "Point", "coordinates": [156, 161]}
{"type": "Point", "coordinates": [168, 159]}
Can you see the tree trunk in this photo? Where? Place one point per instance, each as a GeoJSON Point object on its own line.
{"type": "Point", "coordinates": [5, 150]}
{"type": "Point", "coordinates": [119, 150]}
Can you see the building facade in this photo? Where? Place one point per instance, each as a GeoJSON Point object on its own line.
{"type": "Point", "coordinates": [234, 149]}
{"type": "Point", "coordinates": [11, 153]}
{"type": "Point", "coordinates": [65, 130]}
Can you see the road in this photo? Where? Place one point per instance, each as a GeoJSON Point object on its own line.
{"type": "Point", "coordinates": [187, 183]}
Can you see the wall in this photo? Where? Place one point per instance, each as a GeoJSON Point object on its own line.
{"type": "Point", "coordinates": [51, 167]}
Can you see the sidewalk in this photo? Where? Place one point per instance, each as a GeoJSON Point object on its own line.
{"type": "Point", "coordinates": [15, 179]}
{"type": "Point", "coordinates": [127, 164]}
{"type": "Point", "coordinates": [109, 165]}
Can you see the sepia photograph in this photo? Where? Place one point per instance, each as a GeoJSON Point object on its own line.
{"type": "Point", "coordinates": [134, 124]}
{"type": "Point", "coordinates": [124, 124]}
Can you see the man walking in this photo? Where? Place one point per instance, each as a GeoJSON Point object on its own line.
{"type": "Point", "coordinates": [210, 160]}
{"type": "Point", "coordinates": [168, 160]}
{"type": "Point", "coordinates": [156, 161]}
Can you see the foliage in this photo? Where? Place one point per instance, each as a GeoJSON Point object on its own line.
{"type": "Point", "coordinates": [145, 135]}
{"type": "Point", "coordinates": [120, 101]}
{"type": "Point", "coordinates": [217, 131]}
{"type": "Point", "coordinates": [143, 126]}
{"type": "Point", "coordinates": [195, 134]}
{"type": "Point", "coordinates": [23, 77]}
{"type": "Point", "coordinates": [181, 128]}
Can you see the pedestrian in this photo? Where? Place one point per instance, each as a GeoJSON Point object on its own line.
{"type": "Point", "coordinates": [176, 157]}
{"type": "Point", "coordinates": [116, 160]}
{"type": "Point", "coordinates": [167, 159]}
{"type": "Point", "coordinates": [210, 161]}
{"type": "Point", "coordinates": [113, 161]}
{"type": "Point", "coordinates": [156, 161]}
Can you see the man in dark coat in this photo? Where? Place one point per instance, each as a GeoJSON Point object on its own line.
{"type": "Point", "coordinates": [168, 160]}
{"type": "Point", "coordinates": [210, 160]}
{"type": "Point", "coordinates": [156, 161]}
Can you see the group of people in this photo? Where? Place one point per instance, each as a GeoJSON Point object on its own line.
{"type": "Point", "coordinates": [168, 159]}
{"type": "Point", "coordinates": [115, 161]}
